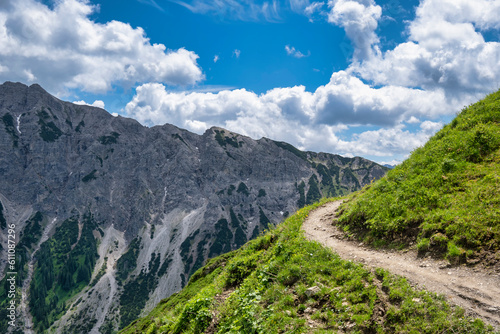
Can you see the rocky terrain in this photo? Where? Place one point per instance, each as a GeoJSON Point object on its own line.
{"type": "Point", "coordinates": [111, 216]}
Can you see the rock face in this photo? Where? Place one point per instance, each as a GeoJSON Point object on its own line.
{"type": "Point", "coordinates": [128, 213]}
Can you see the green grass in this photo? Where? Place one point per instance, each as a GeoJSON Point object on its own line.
{"type": "Point", "coordinates": [279, 282]}
{"type": "Point", "coordinates": [445, 197]}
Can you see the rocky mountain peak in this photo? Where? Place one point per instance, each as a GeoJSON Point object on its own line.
{"type": "Point", "coordinates": [128, 213]}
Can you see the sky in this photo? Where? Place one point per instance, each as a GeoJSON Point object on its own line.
{"type": "Point", "coordinates": [366, 78]}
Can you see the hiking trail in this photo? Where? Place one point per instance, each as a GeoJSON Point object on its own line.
{"type": "Point", "coordinates": [474, 289]}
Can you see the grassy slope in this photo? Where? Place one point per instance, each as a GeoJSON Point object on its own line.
{"type": "Point", "coordinates": [446, 196]}
{"type": "Point", "coordinates": [263, 288]}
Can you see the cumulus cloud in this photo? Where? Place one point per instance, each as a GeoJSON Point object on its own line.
{"type": "Point", "coordinates": [359, 18]}
{"type": "Point", "coordinates": [367, 109]}
{"type": "Point", "coordinates": [446, 50]}
{"type": "Point", "coordinates": [315, 117]}
{"type": "Point", "coordinates": [97, 103]}
{"type": "Point", "coordinates": [413, 120]}
{"type": "Point", "coordinates": [216, 58]}
{"type": "Point", "coordinates": [237, 53]}
{"type": "Point", "coordinates": [396, 140]}
{"type": "Point", "coordinates": [414, 83]}
{"type": "Point", "coordinates": [62, 48]}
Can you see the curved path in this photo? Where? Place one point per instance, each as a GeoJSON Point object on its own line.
{"type": "Point", "coordinates": [473, 289]}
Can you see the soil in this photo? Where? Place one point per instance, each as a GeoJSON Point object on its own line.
{"type": "Point", "coordinates": [219, 300]}
{"type": "Point", "coordinates": [475, 289]}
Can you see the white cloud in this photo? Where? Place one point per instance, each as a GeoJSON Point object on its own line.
{"type": "Point", "coordinates": [291, 51]}
{"type": "Point", "coordinates": [216, 58]}
{"type": "Point", "coordinates": [445, 50]}
{"type": "Point", "coordinates": [483, 13]}
{"type": "Point", "coordinates": [391, 163]}
{"type": "Point", "coordinates": [62, 48]}
{"type": "Point", "coordinates": [298, 6]}
{"type": "Point", "coordinates": [29, 76]}
{"type": "Point", "coordinates": [97, 103]}
{"type": "Point", "coordinates": [152, 3]}
{"type": "Point", "coordinates": [413, 120]}
{"type": "Point", "coordinates": [444, 65]}
{"type": "Point", "coordinates": [429, 128]}
{"type": "Point", "coordinates": [237, 53]}
{"type": "Point", "coordinates": [314, 8]}
{"type": "Point", "coordinates": [316, 118]}
{"type": "Point", "coordinates": [396, 140]}
{"type": "Point", "coordinates": [249, 10]}
{"type": "Point", "coordinates": [359, 18]}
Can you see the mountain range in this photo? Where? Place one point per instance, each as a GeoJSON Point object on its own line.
{"type": "Point", "coordinates": [111, 216]}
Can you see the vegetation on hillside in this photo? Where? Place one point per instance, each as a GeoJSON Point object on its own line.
{"type": "Point", "coordinates": [445, 197]}
{"type": "Point", "coordinates": [27, 241]}
{"type": "Point", "coordinates": [282, 283]}
{"type": "Point", "coordinates": [63, 269]}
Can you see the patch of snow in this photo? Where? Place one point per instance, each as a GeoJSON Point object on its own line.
{"type": "Point", "coordinates": [18, 124]}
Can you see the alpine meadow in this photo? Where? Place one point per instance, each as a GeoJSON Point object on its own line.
{"type": "Point", "coordinates": [249, 166]}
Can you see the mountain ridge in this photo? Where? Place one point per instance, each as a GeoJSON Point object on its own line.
{"type": "Point", "coordinates": [134, 211]}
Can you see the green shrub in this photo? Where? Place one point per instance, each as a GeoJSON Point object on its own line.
{"type": "Point", "coordinates": [243, 189]}
{"type": "Point", "coordinates": [455, 254]}
{"type": "Point", "coordinates": [90, 176]}
{"type": "Point", "coordinates": [423, 245]}
{"type": "Point", "coordinates": [439, 240]}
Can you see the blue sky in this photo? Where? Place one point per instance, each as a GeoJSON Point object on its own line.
{"type": "Point", "coordinates": [353, 77]}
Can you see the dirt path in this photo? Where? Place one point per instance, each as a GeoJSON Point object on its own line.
{"type": "Point", "coordinates": [473, 289]}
